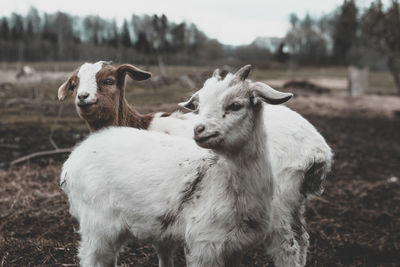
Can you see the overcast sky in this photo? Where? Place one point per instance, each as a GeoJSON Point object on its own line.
{"type": "Point", "coordinates": [231, 22]}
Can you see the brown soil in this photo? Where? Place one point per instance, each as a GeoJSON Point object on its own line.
{"type": "Point", "coordinates": [355, 223]}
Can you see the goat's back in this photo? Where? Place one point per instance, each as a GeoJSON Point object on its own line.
{"type": "Point", "coordinates": [297, 150]}
{"type": "Point", "coordinates": [129, 171]}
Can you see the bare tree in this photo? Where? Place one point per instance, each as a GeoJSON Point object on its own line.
{"type": "Point", "coordinates": [305, 41]}
{"type": "Point", "coordinates": [380, 31]}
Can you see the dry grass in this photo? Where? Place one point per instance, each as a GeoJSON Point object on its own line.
{"type": "Point", "coordinates": [34, 218]}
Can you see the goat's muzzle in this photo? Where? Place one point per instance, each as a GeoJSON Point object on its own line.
{"type": "Point", "coordinates": [202, 138]}
{"type": "Point", "coordinates": [83, 104]}
{"type": "Point", "coordinates": [205, 138]}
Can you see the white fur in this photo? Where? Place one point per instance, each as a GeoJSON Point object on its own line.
{"type": "Point", "coordinates": [123, 183]}
{"type": "Point", "coordinates": [176, 124]}
{"type": "Point", "coordinates": [87, 80]}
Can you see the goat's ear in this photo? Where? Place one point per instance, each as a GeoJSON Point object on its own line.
{"type": "Point", "coordinates": [217, 74]}
{"type": "Point", "coordinates": [262, 92]}
{"type": "Point", "coordinates": [133, 72]}
{"type": "Point", "coordinates": [63, 91]}
{"type": "Point", "coordinates": [192, 104]}
{"type": "Point", "coordinates": [69, 85]}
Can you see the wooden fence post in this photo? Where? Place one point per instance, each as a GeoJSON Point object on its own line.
{"type": "Point", "coordinates": [357, 81]}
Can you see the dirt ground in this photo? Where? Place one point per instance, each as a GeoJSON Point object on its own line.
{"type": "Point", "coordinates": [355, 223]}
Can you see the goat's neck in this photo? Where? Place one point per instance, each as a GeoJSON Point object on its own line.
{"type": "Point", "coordinates": [250, 167]}
{"type": "Point", "coordinates": [125, 115]}
{"type": "Point", "coordinates": [129, 116]}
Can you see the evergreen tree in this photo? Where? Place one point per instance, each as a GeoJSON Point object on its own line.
{"type": "Point", "coordinates": [142, 44]}
{"type": "Point", "coordinates": [125, 35]}
{"type": "Point", "coordinates": [345, 31]}
{"type": "Point", "coordinates": [114, 35]}
{"type": "Point", "coordinates": [4, 29]}
{"type": "Point", "coordinates": [17, 31]}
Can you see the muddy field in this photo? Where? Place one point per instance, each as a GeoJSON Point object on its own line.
{"type": "Point", "coordinates": [355, 223]}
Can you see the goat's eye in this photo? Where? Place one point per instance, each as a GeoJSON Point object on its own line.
{"type": "Point", "coordinates": [108, 82]}
{"type": "Point", "coordinates": [72, 86]}
{"type": "Point", "coordinates": [235, 106]}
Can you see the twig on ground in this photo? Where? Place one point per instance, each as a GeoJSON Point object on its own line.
{"type": "Point", "coordinates": [52, 142]}
{"type": "Point", "coordinates": [56, 150]}
{"type": "Point", "coordinates": [322, 199]}
{"type": "Point", "coordinates": [10, 146]}
{"type": "Point", "coordinates": [41, 154]}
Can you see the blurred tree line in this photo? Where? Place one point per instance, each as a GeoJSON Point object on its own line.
{"type": "Point", "coordinates": [63, 37]}
{"type": "Point", "coordinates": [347, 36]}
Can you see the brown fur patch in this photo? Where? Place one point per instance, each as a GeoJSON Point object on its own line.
{"type": "Point", "coordinates": [166, 114]}
{"type": "Point", "coordinates": [130, 117]}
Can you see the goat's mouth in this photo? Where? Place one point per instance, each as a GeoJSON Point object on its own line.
{"type": "Point", "coordinates": [202, 139]}
{"type": "Point", "coordinates": [86, 104]}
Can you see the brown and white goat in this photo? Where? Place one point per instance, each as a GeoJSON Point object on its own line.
{"type": "Point", "coordinates": [99, 93]}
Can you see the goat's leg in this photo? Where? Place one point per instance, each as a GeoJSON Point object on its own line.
{"type": "Point", "coordinates": [100, 243]}
{"type": "Point", "coordinates": [95, 252]}
{"type": "Point", "coordinates": [165, 253]}
{"type": "Point", "coordinates": [283, 248]}
{"type": "Point", "coordinates": [302, 235]}
{"type": "Point", "coordinates": [304, 244]}
{"type": "Point", "coordinates": [203, 254]}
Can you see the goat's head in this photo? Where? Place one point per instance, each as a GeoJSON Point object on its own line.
{"type": "Point", "coordinates": [229, 109]}
{"type": "Point", "coordinates": [97, 88]}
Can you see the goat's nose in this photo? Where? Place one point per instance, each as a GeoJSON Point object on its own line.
{"type": "Point", "coordinates": [199, 129]}
{"type": "Point", "coordinates": [83, 96]}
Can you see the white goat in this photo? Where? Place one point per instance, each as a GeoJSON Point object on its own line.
{"type": "Point", "coordinates": [125, 183]}
{"type": "Point", "coordinates": [301, 159]}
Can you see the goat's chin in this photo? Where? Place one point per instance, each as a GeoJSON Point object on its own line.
{"type": "Point", "coordinates": [87, 111]}
{"type": "Point", "coordinates": [211, 143]}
